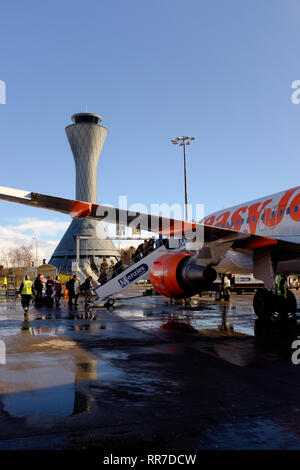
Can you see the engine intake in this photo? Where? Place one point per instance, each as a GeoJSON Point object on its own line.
{"type": "Point", "coordinates": [177, 275]}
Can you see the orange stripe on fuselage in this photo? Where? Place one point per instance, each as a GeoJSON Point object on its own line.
{"type": "Point", "coordinates": [261, 242]}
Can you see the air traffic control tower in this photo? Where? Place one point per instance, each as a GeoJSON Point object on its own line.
{"type": "Point", "coordinates": [86, 137]}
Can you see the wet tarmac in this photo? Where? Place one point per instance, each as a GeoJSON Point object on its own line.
{"type": "Point", "coordinates": [147, 375]}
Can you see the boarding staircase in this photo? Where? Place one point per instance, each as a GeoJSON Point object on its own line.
{"type": "Point", "coordinates": [129, 276]}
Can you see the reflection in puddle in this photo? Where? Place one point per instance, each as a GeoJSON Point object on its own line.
{"type": "Point", "coordinates": [226, 324]}
{"type": "Point", "coordinates": [37, 405]}
{"type": "Point", "coordinates": [239, 354]}
{"type": "Point", "coordinates": [46, 381]}
{"type": "Point", "coordinates": [205, 316]}
{"type": "Point", "coordinates": [173, 324]}
{"type": "Point", "coordinates": [48, 384]}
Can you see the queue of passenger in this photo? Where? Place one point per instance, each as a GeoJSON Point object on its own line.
{"type": "Point", "coordinates": [144, 249]}
{"type": "Point", "coordinates": [48, 291]}
{"type": "Point", "coordinates": [75, 288]}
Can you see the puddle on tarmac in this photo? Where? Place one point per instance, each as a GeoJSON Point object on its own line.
{"type": "Point", "coordinates": [40, 405]}
{"type": "Point", "coordinates": [145, 315]}
{"type": "Point", "coordinates": [206, 315]}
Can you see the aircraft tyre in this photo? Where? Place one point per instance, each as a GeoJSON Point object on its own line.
{"type": "Point", "coordinates": [292, 302]}
{"type": "Point", "coordinates": [263, 304]}
{"type": "Point", "coordinates": [286, 307]}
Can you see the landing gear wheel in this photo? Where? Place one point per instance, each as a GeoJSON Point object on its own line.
{"type": "Point", "coordinates": [287, 307]}
{"type": "Point", "coordinates": [263, 304]}
{"type": "Point", "coordinates": [187, 301]}
{"type": "Point", "coordinates": [292, 303]}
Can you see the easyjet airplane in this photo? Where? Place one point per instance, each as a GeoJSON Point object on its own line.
{"type": "Point", "coordinates": [260, 237]}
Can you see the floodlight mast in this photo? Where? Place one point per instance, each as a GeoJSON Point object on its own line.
{"type": "Point", "coordinates": [183, 141]}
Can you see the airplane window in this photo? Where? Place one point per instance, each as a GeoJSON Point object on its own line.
{"type": "Point", "coordinates": [280, 212]}
{"type": "Point", "coordinates": [227, 225]}
{"type": "Point", "coordinates": [288, 210]}
{"type": "Point", "coordinates": [237, 223]}
{"type": "Point", "coordinates": [231, 224]}
{"type": "Point", "coordinates": [272, 216]}
{"type": "Point", "coordinates": [295, 209]}
{"type": "Point", "coordinates": [253, 219]}
{"type": "Point", "coordinates": [248, 220]}
{"type": "Point", "coordinates": [222, 225]}
{"type": "Point", "coordinates": [242, 221]}
{"type": "Point", "coordinates": [263, 216]}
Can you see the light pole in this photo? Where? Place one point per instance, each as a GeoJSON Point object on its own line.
{"type": "Point", "coordinates": [183, 141]}
{"type": "Point", "coordinates": [36, 250]}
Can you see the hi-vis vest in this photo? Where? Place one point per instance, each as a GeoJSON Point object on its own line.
{"type": "Point", "coordinates": [281, 287]}
{"type": "Point", "coordinates": [4, 283]}
{"type": "Point", "coordinates": [27, 288]}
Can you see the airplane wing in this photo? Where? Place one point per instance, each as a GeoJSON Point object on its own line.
{"type": "Point", "coordinates": [162, 225]}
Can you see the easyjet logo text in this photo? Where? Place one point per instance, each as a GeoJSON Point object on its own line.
{"type": "Point", "coordinates": [264, 213]}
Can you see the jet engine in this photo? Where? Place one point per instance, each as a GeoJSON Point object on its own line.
{"type": "Point", "coordinates": [177, 275]}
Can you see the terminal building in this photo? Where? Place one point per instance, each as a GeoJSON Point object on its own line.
{"type": "Point", "coordinates": [86, 137]}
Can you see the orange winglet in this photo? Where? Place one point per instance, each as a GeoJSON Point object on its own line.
{"type": "Point", "coordinates": [261, 242]}
{"type": "Point", "coordinates": [81, 210]}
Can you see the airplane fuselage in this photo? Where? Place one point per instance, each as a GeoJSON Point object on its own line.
{"type": "Point", "coordinates": [275, 217]}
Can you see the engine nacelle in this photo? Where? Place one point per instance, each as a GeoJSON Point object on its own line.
{"type": "Point", "coordinates": [176, 275]}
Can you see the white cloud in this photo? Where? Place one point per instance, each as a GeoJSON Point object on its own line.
{"type": "Point", "coordinates": [48, 234]}
{"type": "Point", "coordinates": [22, 232]}
{"type": "Point", "coordinates": [39, 227]}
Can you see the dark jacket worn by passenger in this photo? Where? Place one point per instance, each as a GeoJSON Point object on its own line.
{"type": "Point", "coordinates": [102, 278]}
{"type": "Point", "coordinates": [49, 287]}
{"type": "Point", "coordinates": [57, 288]}
{"type": "Point", "coordinates": [71, 287]}
{"type": "Point", "coordinates": [38, 286]}
{"type": "Point", "coordinates": [86, 286]}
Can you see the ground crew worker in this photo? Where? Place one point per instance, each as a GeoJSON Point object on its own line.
{"type": "Point", "coordinates": [4, 283]}
{"type": "Point", "coordinates": [281, 292]}
{"type": "Point", "coordinates": [26, 293]}
{"type": "Point", "coordinates": [282, 287]}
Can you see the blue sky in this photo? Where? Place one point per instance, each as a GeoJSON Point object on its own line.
{"type": "Point", "coordinates": [219, 70]}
